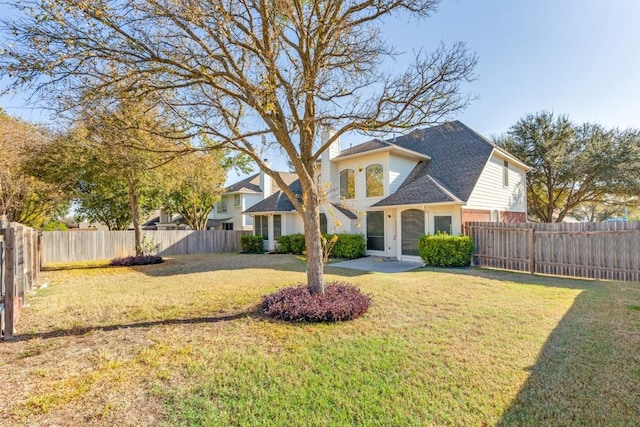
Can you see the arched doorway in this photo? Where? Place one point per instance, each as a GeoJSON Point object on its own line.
{"type": "Point", "coordinates": [412, 229]}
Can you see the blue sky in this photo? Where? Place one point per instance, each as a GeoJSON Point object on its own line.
{"type": "Point", "coordinates": [575, 57]}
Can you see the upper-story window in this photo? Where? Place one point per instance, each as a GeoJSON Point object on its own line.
{"type": "Point", "coordinates": [505, 174]}
{"type": "Point", "coordinates": [347, 184]}
{"type": "Point", "coordinates": [237, 202]}
{"type": "Point", "coordinates": [375, 180]}
{"type": "Point", "coordinates": [222, 206]}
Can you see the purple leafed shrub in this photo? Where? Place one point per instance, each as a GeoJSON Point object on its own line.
{"type": "Point", "coordinates": [137, 260]}
{"type": "Point", "coordinates": [340, 301]}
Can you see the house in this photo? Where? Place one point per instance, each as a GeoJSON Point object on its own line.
{"type": "Point", "coordinates": [393, 191]}
{"type": "Point", "coordinates": [228, 214]}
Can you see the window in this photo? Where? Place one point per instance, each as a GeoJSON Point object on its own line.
{"type": "Point", "coordinates": [277, 226]}
{"type": "Point", "coordinates": [261, 226]}
{"type": "Point", "coordinates": [505, 174]}
{"type": "Point", "coordinates": [323, 223]}
{"type": "Point", "coordinates": [237, 201]}
{"type": "Point", "coordinates": [222, 206]}
{"type": "Point", "coordinates": [375, 231]}
{"type": "Point", "coordinates": [227, 226]}
{"type": "Point", "coordinates": [412, 229]}
{"type": "Point", "coordinates": [347, 184]}
{"type": "Point", "coordinates": [442, 224]}
{"type": "Point", "coordinates": [495, 215]}
{"type": "Point", "coordinates": [375, 181]}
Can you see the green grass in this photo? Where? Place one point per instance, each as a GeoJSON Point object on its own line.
{"type": "Point", "coordinates": [180, 343]}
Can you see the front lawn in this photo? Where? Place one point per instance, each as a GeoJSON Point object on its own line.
{"type": "Point", "coordinates": [180, 343]}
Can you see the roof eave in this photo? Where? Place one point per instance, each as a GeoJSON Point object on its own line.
{"type": "Point", "coordinates": [406, 152]}
{"type": "Point", "coordinates": [413, 205]}
{"type": "Point", "coordinates": [512, 158]}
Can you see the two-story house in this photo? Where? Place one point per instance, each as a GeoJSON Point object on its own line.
{"type": "Point", "coordinates": [228, 214]}
{"type": "Point", "coordinates": [393, 191]}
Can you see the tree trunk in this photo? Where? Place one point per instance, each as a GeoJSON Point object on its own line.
{"type": "Point", "coordinates": [315, 265]}
{"type": "Point", "coordinates": [135, 216]}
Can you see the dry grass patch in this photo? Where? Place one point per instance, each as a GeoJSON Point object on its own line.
{"type": "Point", "coordinates": [180, 343]}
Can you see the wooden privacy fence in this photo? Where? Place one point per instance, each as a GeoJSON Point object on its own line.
{"type": "Point", "coordinates": [601, 250]}
{"type": "Point", "coordinates": [65, 246]}
{"type": "Point", "coordinates": [19, 272]}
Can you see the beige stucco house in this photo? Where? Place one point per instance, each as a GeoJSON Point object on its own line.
{"type": "Point", "coordinates": [392, 191]}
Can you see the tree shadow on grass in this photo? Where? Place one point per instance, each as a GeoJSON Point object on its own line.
{"type": "Point", "coordinates": [516, 277]}
{"type": "Point", "coordinates": [588, 371]}
{"type": "Point", "coordinates": [228, 262]}
{"type": "Point", "coordinates": [83, 330]}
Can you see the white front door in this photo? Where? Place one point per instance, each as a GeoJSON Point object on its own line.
{"type": "Point", "coordinates": [391, 234]}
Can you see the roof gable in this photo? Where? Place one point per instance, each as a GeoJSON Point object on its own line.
{"type": "Point", "coordinates": [251, 184]}
{"type": "Point", "coordinates": [278, 201]}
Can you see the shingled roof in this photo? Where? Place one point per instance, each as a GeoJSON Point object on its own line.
{"type": "Point", "coordinates": [458, 156]}
{"type": "Point", "coordinates": [278, 201]}
{"type": "Point", "coordinates": [251, 184]}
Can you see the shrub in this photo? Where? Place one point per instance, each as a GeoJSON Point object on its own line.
{"type": "Point", "coordinates": [340, 301]}
{"type": "Point", "coordinates": [252, 244]}
{"type": "Point", "coordinates": [136, 260]}
{"type": "Point", "coordinates": [348, 246]}
{"type": "Point", "coordinates": [443, 250]}
{"type": "Point", "coordinates": [298, 244]}
{"type": "Point", "coordinates": [55, 226]}
{"type": "Point", "coordinates": [284, 244]}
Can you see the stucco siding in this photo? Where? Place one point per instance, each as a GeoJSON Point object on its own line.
{"type": "Point", "coordinates": [489, 192]}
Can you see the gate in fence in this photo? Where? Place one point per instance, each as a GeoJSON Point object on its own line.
{"type": "Point", "coordinates": [19, 272]}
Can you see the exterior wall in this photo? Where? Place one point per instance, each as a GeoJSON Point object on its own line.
{"type": "Point", "coordinates": [292, 224]}
{"type": "Point", "coordinates": [399, 170]}
{"type": "Point", "coordinates": [478, 215]}
{"type": "Point", "coordinates": [396, 170]}
{"type": "Point", "coordinates": [490, 194]}
{"type": "Point", "coordinates": [240, 222]}
{"type": "Point", "coordinates": [248, 201]}
{"type": "Point", "coordinates": [393, 227]}
{"type": "Point", "coordinates": [513, 216]}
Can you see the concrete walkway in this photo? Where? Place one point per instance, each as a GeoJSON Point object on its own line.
{"type": "Point", "coordinates": [378, 264]}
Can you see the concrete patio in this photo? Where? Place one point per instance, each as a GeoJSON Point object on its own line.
{"type": "Point", "coordinates": [378, 264]}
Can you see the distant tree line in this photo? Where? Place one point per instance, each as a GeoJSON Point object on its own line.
{"type": "Point", "coordinates": [584, 171]}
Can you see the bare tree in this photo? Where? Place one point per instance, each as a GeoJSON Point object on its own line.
{"type": "Point", "coordinates": [240, 70]}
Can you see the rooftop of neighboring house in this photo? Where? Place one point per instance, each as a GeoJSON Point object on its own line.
{"type": "Point", "coordinates": [251, 184]}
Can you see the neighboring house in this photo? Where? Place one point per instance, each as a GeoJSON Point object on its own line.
{"type": "Point", "coordinates": [428, 181]}
{"type": "Point", "coordinates": [228, 214]}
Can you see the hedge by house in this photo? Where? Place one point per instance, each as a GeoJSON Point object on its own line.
{"type": "Point", "coordinates": [347, 246]}
{"type": "Point", "coordinates": [443, 250]}
{"type": "Point", "coordinates": [252, 244]}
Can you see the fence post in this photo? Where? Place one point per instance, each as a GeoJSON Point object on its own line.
{"type": "Point", "coordinates": [469, 232]}
{"type": "Point", "coordinates": [9, 270]}
{"type": "Point", "coordinates": [532, 251]}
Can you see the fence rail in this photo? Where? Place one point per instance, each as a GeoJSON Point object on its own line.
{"type": "Point", "coordinates": [19, 272]}
{"type": "Point", "coordinates": [605, 250]}
{"type": "Point", "coordinates": [64, 246]}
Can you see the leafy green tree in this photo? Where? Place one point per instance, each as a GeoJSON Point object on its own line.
{"type": "Point", "coordinates": [573, 166]}
{"type": "Point", "coordinates": [195, 185]}
{"type": "Point", "coordinates": [240, 71]}
{"type": "Point", "coordinates": [24, 197]}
